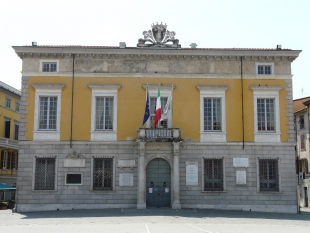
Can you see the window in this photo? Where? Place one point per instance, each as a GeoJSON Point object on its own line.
{"type": "Point", "coordinates": [47, 111]}
{"type": "Point", "coordinates": [16, 130]}
{"type": "Point", "coordinates": [5, 160]}
{"type": "Point", "coordinates": [102, 174]}
{"type": "Point", "coordinates": [104, 112]}
{"type": "Point", "coordinates": [265, 115]}
{"type": "Point", "coordinates": [265, 68]}
{"type": "Point", "coordinates": [163, 101]}
{"type": "Point", "coordinates": [14, 161]}
{"type": "Point", "coordinates": [268, 175]}
{"type": "Point", "coordinates": [8, 102]}
{"type": "Point", "coordinates": [17, 105]}
{"type": "Point", "coordinates": [45, 174]}
{"type": "Point", "coordinates": [303, 166]}
{"type": "Point", "coordinates": [213, 175]}
{"type": "Point", "coordinates": [73, 179]}
{"type": "Point", "coordinates": [302, 142]}
{"type": "Point", "coordinates": [7, 128]}
{"type": "Point", "coordinates": [301, 122]}
{"type": "Point", "coordinates": [212, 113]}
{"type": "Point", "coordinates": [49, 67]}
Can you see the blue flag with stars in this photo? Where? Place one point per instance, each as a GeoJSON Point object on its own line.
{"type": "Point", "coordinates": [147, 107]}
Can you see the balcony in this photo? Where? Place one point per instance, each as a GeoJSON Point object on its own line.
{"type": "Point", "coordinates": [159, 135]}
{"type": "Point", "coordinates": [6, 143]}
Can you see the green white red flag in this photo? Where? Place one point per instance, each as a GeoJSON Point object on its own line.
{"type": "Point", "coordinates": [158, 109]}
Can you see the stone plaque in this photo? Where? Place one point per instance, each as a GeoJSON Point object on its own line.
{"type": "Point", "coordinates": [68, 162]}
{"type": "Point", "coordinates": [126, 180]}
{"type": "Point", "coordinates": [240, 177]}
{"type": "Point", "coordinates": [191, 173]}
{"type": "Point", "coordinates": [126, 163]}
{"type": "Point", "coordinates": [241, 162]}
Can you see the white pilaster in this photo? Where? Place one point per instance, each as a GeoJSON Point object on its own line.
{"type": "Point", "coordinates": [141, 204]}
{"type": "Point", "coordinates": [176, 177]}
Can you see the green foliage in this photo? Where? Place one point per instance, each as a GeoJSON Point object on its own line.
{"type": "Point", "coordinates": [4, 203]}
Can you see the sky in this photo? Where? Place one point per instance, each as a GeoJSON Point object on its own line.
{"type": "Point", "coordinates": [208, 23]}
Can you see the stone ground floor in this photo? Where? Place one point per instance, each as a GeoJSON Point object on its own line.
{"type": "Point", "coordinates": [258, 177]}
{"type": "Point", "coordinates": [162, 220]}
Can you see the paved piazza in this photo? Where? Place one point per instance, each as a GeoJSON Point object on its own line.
{"type": "Point", "coordinates": [153, 220]}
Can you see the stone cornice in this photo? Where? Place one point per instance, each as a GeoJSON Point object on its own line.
{"type": "Point", "coordinates": [144, 54]}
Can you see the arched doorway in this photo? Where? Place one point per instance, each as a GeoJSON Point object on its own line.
{"type": "Point", "coordinates": [158, 184]}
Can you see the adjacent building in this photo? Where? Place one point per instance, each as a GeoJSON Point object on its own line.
{"type": "Point", "coordinates": [9, 129]}
{"type": "Point", "coordinates": [226, 141]}
{"type": "Point", "coordinates": [302, 113]}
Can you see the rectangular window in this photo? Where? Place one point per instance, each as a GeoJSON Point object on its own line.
{"type": "Point", "coordinates": [8, 102]}
{"type": "Point", "coordinates": [103, 174]}
{"type": "Point", "coordinates": [14, 161]}
{"type": "Point", "coordinates": [16, 131]}
{"type": "Point", "coordinates": [163, 102]}
{"type": "Point", "coordinates": [264, 69]}
{"type": "Point", "coordinates": [213, 175]}
{"type": "Point", "coordinates": [45, 174]}
{"type": "Point", "coordinates": [302, 142]}
{"type": "Point", "coordinates": [48, 113]}
{"type": "Point", "coordinates": [4, 159]}
{"type": "Point", "coordinates": [265, 115]}
{"type": "Point", "coordinates": [268, 175]}
{"type": "Point", "coordinates": [49, 67]}
{"type": "Point", "coordinates": [212, 114]}
{"type": "Point", "coordinates": [73, 179]}
{"type": "Point", "coordinates": [104, 113]}
{"type": "Point", "coordinates": [17, 105]}
{"type": "Point", "coordinates": [301, 122]}
{"type": "Point", "coordinates": [7, 128]}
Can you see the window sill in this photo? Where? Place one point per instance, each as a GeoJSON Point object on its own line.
{"type": "Point", "coordinates": [270, 192]}
{"type": "Point", "coordinates": [266, 76]}
{"type": "Point", "coordinates": [213, 136]}
{"type": "Point", "coordinates": [103, 135]}
{"type": "Point", "coordinates": [46, 135]}
{"type": "Point", "coordinates": [267, 137]}
{"type": "Point", "coordinates": [103, 191]}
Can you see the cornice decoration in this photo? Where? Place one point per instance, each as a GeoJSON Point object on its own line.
{"type": "Point", "coordinates": [159, 36]}
{"type": "Point", "coordinates": [74, 155]}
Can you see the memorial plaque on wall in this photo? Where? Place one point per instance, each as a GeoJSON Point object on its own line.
{"type": "Point", "coordinates": [126, 180]}
{"type": "Point", "coordinates": [126, 163]}
{"type": "Point", "coordinates": [191, 173]}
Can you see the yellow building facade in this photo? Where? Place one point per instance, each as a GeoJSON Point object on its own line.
{"type": "Point", "coordinates": [227, 139]}
{"type": "Point", "coordinates": [9, 129]}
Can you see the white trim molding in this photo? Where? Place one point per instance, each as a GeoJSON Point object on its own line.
{"type": "Point", "coordinates": [47, 90]}
{"type": "Point", "coordinates": [213, 92]}
{"type": "Point", "coordinates": [263, 92]}
{"type": "Point", "coordinates": [48, 61]}
{"type": "Point", "coordinates": [269, 76]}
{"type": "Point", "coordinates": [104, 90]}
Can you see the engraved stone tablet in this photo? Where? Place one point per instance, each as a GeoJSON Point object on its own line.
{"type": "Point", "coordinates": [191, 173]}
{"type": "Point", "coordinates": [126, 163]}
{"type": "Point", "coordinates": [240, 177]}
{"type": "Point", "coordinates": [241, 162]}
{"type": "Point", "coordinates": [126, 180]}
{"type": "Point", "coordinates": [68, 162]}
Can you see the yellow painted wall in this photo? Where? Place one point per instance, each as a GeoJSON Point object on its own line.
{"type": "Point", "coordinates": [131, 104]}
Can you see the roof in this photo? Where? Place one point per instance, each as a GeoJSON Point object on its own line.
{"type": "Point", "coordinates": [9, 88]}
{"type": "Point", "coordinates": [298, 104]}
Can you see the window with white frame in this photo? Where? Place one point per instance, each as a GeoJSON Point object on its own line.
{"type": "Point", "coordinates": [165, 91]}
{"type": "Point", "coordinates": [268, 175]}
{"type": "Point", "coordinates": [7, 127]}
{"type": "Point", "coordinates": [16, 130]}
{"type": "Point", "coordinates": [265, 68]}
{"type": "Point", "coordinates": [212, 113]}
{"type": "Point", "coordinates": [17, 106]}
{"type": "Point", "coordinates": [49, 65]}
{"type": "Point", "coordinates": [47, 111]}
{"type": "Point", "coordinates": [104, 112]}
{"type": "Point", "coordinates": [102, 177]}
{"type": "Point", "coordinates": [8, 102]}
{"type": "Point", "coordinates": [45, 173]}
{"type": "Point", "coordinates": [266, 113]}
{"type": "Point", "coordinates": [213, 174]}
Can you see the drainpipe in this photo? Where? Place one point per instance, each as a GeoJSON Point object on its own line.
{"type": "Point", "coordinates": [72, 93]}
{"type": "Point", "coordinates": [242, 104]}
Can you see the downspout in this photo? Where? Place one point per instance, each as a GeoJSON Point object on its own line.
{"type": "Point", "coordinates": [296, 150]}
{"type": "Point", "coordinates": [242, 104]}
{"type": "Point", "coordinates": [72, 93]}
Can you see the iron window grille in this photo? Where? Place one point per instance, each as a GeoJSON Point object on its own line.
{"type": "Point", "coordinates": [104, 113]}
{"type": "Point", "coordinates": [49, 67]}
{"type": "Point", "coordinates": [266, 115]}
{"type": "Point", "coordinates": [213, 175]}
{"type": "Point", "coordinates": [48, 113]}
{"type": "Point", "coordinates": [14, 161]}
{"type": "Point", "coordinates": [268, 175]}
{"type": "Point", "coordinates": [212, 114]}
{"type": "Point", "coordinates": [45, 174]}
{"type": "Point", "coordinates": [103, 174]}
{"type": "Point", "coordinates": [264, 69]}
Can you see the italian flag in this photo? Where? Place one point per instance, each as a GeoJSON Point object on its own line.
{"type": "Point", "coordinates": [158, 108]}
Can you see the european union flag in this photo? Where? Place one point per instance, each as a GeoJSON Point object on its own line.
{"type": "Point", "coordinates": [147, 107]}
